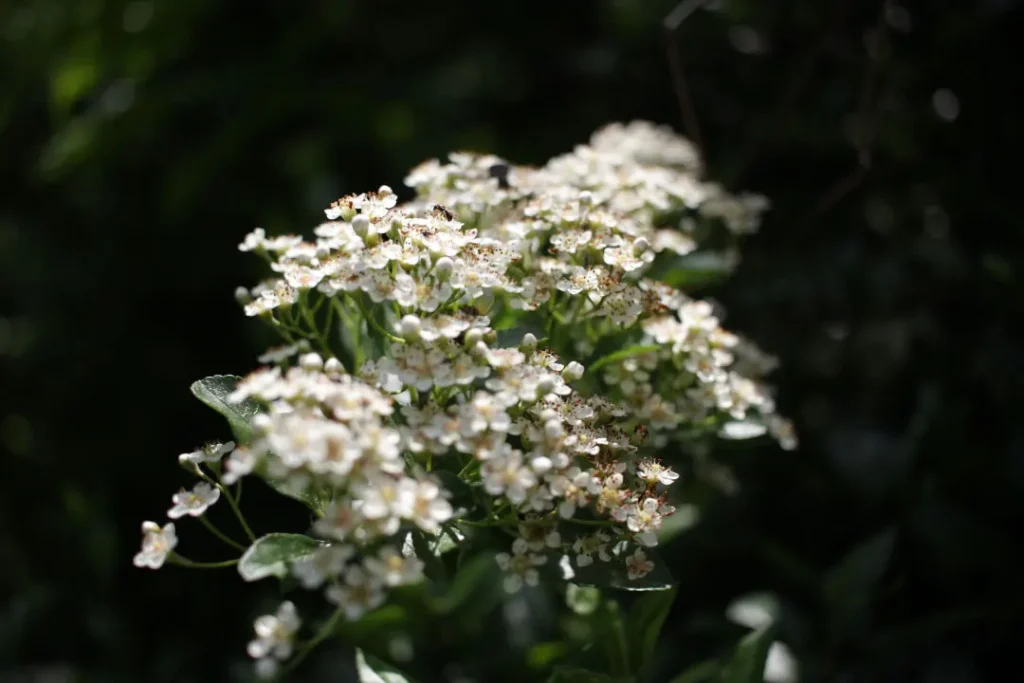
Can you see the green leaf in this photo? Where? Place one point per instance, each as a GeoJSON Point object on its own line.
{"type": "Point", "coordinates": [622, 355]}
{"type": "Point", "coordinates": [214, 392]}
{"type": "Point", "coordinates": [270, 555]}
{"type": "Point", "coordinates": [613, 574]}
{"type": "Point", "coordinates": [572, 674]}
{"type": "Point", "coordinates": [471, 584]}
{"type": "Point", "coordinates": [749, 658]}
{"type": "Point", "coordinates": [313, 497]}
{"type": "Point", "coordinates": [702, 671]}
{"type": "Point", "coordinates": [373, 670]}
{"type": "Point", "coordinates": [861, 568]}
{"type": "Point", "coordinates": [697, 269]}
{"type": "Point", "coordinates": [643, 625]}
{"type": "Point", "coordinates": [679, 521]}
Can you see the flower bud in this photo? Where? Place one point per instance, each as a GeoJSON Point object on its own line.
{"type": "Point", "coordinates": [474, 336]}
{"type": "Point", "coordinates": [333, 365]}
{"type": "Point", "coordinates": [443, 268]}
{"type": "Point", "coordinates": [572, 372]}
{"type": "Point", "coordinates": [361, 224]}
{"type": "Point", "coordinates": [478, 350]}
{"type": "Point", "coordinates": [553, 429]}
{"type": "Point", "coordinates": [385, 190]}
{"type": "Point", "coordinates": [586, 198]}
{"type": "Point", "coordinates": [545, 386]}
{"type": "Point", "coordinates": [311, 361]}
{"type": "Point", "coordinates": [529, 343]}
{"type": "Point", "coordinates": [242, 296]}
{"type": "Point", "coordinates": [640, 245]}
{"type": "Point", "coordinates": [541, 464]}
{"type": "Point", "coordinates": [409, 327]}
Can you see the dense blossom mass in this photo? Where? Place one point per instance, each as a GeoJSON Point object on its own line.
{"type": "Point", "coordinates": [504, 329]}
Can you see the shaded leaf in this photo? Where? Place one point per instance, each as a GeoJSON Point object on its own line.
{"type": "Point", "coordinates": [622, 355]}
{"type": "Point", "coordinates": [214, 392]}
{"type": "Point", "coordinates": [702, 671]}
{"type": "Point", "coordinates": [572, 674]}
{"type": "Point", "coordinates": [373, 670]}
{"type": "Point", "coordinates": [749, 658]}
{"type": "Point", "coordinates": [315, 498]}
{"type": "Point", "coordinates": [270, 555]}
{"type": "Point", "coordinates": [613, 574]}
{"type": "Point", "coordinates": [643, 625]}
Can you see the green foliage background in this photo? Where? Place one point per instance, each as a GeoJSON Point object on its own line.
{"type": "Point", "coordinates": [141, 140]}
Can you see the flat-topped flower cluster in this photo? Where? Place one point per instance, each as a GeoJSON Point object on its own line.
{"type": "Point", "coordinates": [502, 329]}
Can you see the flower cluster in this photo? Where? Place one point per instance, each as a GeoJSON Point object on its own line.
{"type": "Point", "coordinates": [503, 329]}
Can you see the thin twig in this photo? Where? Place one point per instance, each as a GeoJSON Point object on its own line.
{"type": "Point", "coordinates": [672, 23]}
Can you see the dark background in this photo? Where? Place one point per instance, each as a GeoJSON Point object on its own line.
{"type": "Point", "coordinates": [141, 140]}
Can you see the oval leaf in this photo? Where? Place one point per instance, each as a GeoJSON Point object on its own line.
{"type": "Point", "coordinates": [749, 658]}
{"type": "Point", "coordinates": [373, 670]}
{"type": "Point", "coordinates": [270, 555]}
{"type": "Point", "coordinates": [214, 392]}
{"type": "Point", "coordinates": [643, 625]}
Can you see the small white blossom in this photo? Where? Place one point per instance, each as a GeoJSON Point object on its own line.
{"type": "Point", "coordinates": [157, 543]}
{"type": "Point", "coordinates": [520, 566]}
{"type": "Point", "coordinates": [638, 565]}
{"type": "Point", "coordinates": [275, 638]}
{"type": "Point", "coordinates": [194, 502]}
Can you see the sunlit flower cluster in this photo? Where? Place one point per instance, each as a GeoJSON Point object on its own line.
{"type": "Point", "coordinates": [503, 330]}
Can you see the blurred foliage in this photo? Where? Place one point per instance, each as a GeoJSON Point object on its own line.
{"type": "Point", "coordinates": [141, 140]}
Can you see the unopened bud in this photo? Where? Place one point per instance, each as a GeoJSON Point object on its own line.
{"type": "Point", "coordinates": [443, 268]}
{"type": "Point", "coordinates": [572, 372]}
{"type": "Point", "coordinates": [541, 464]}
{"type": "Point", "coordinates": [545, 386]}
{"type": "Point", "coordinates": [529, 343]}
{"type": "Point", "coordinates": [474, 336]}
{"type": "Point", "coordinates": [409, 327]}
{"type": "Point", "coordinates": [586, 198]}
{"type": "Point", "coordinates": [333, 365]}
{"type": "Point", "coordinates": [242, 296]}
{"type": "Point", "coordinates": [361, 224]}
{"type": "Point", "coordinates": [640, 245]}
{"type": "Point", "coordinates": [311, 361]}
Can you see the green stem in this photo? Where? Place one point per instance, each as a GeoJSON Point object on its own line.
{"type": "Point", "coordinates": [238, 513]}
{"type": "Point", "coordinates": [220, 534]}
{"type": "Point", "coordinates": [376, 325]}
{"type": "Point", "coordinates": [326, 630]}
{"type": "Point", "coordinates": [175, 558]}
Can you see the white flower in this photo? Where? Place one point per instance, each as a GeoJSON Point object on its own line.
{"type": "Point", "coordinates": [209, 453]}
{"type": "Point", "coordinates": [653, 472]}
{"type": "Point", "coordinates": [520, 567]}
{"type": "Point", "coordinates": [637, 565]}
{"type": "Point", "coordinates": [392, 569]}
{"type": "Point", "coordinates": [357, 594]}
{"type": "Point", "coordinates": [194, 502]}
{"type": "Point", "coordinates": [156, 544]}
{"type": "Point", "coordinates": [430, 508]}
{"type": "Point", "coordinates": [326, 562]}
{"type": "Point", "coordinates": [586, 547]}
{"type": "Point", "coordinates": [508, 474]}
{"type": "Point", "coordinates": [275, 636]}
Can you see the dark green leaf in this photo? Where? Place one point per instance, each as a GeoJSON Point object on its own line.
{"type": "Point", "coordinates": [613, 574]}
{"type": "Point", "coordinates": [214, 391]}
{"type": "Point", "coordinates": [473, 581]}
{"type": "Point", "coordinates": [622, 355]}
{"type": "Point", "coordinates": [315, 498]}
{"type": "Point", "coordinates": [270, 555]}
{"type": "Point", "coordinates": [698, 269]}
{"type": "Point", "coordinates": [748, 659]}
{"type": "Point", "coordinates": [643, 625]}
{"type": "Point", "coordinates": [572, 674]}
{"type": "Point", "coordinates": [703, 671]}
{"type": "Point", "coordinates": [373, 670]}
